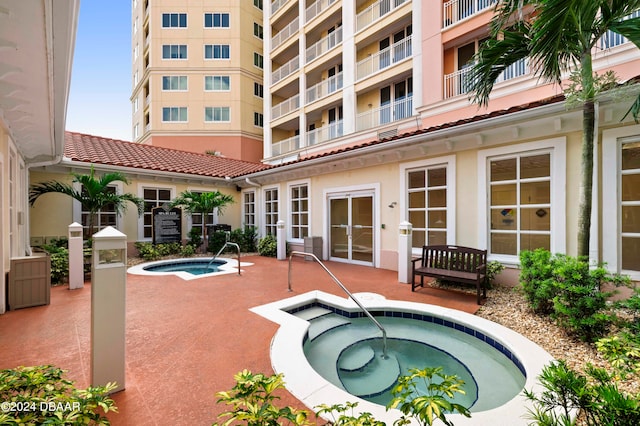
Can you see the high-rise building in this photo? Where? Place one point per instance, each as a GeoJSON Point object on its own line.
{"type": "Point", "coordinates": [343, 72]}
{"type": "Point", "coordinates": [197, 76]}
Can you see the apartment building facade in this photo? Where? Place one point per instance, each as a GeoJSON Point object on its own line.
{"type": "Point", "coordinates": [368, 119]}
{"type": "Point", "coordinates": [197, 76]}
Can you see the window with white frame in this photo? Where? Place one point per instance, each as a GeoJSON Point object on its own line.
{"type": "Point", "coordinates": [174, 114]}
{"type": "Point", "coordinates": [249, 208]}
{"type": "Point", "coordinates": [136, 131]}
{"type": "Point", "coordinates": [524, 206]}
{"type": "Point", "coordinates": [621, 196]}
{"type": "Point", "coordinates": [216, 20]}
{"type": "Point", "coordinates": [258, 119]}
{"type": "Point", "coordinates": [270, 211]}
{"type": "Point", "coordinates": [106, 216]}
{"type": "Point", "coordinates": [217, 83]}
{"type": "Point", "coordinates": [427, 205]}
{"type": "Point", "coordinates": [198, 221]}
{"type": "Point", "coordinates": [174, 20]}
{"type": "Point", "coordinates": [299, 213]}
{"type": "Point", "coordinates": [174, 82]}
{"type": "Point", "coordinates": [174, 51]}
{"type": "Point", "coordinates": [258, 4]}
{"type": "Point", "coordinates": [258, 30]}
{"type": "Point", "coordinates": [217, 114]}
{"type": "Point", "coordinates": [217, 51]}
{"type": "Point", "coordinates": [258, 60]}
{"type": "Point", "coordinates": [258, 89]}
{"type": "Point", "coordinates": [153, 197]}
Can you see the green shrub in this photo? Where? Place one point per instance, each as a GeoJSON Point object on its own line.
{"type": "Point", "coordinates": [59, 254]}
{"type": "Point", "coordinates": [245, 238]}
{"type": "Point", "coordinates": [188, 251]}
{"type": "Point", "coordinates": [268, 246]}
{"type": "Point", "coordinates": [536, 279]}
{"type": "Point", "coordinates": [195, 238]}
{"type": "Point", "coordinates": [37, 388]}
{"type": "Point", "coordinates": [344, 415]}
{"type": "Point", "coordinates": [493, 269]}
{"type": "Point", "coordinates": [217, 240]}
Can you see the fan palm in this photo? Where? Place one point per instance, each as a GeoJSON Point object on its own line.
{"type": "Point", "coordinates": [557, 36]}
{"type": "Point", "coordinates": [94, 194]}
{"type": "Point", "coordinates": [202, 203]}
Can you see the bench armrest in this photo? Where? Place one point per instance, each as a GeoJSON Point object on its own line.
{"type": "Point", "coordinates": [414, 260]}
{"type": "Point", "coordinates": [482, 267]}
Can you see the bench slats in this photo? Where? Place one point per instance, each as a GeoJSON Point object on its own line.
{"type": "Point", "coordinates": [464, 265]}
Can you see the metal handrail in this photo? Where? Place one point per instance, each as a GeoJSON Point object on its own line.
{"type": "Point", "coordinates": [228, 243]}
{"type": "Point", "coordinates": [337, 281]}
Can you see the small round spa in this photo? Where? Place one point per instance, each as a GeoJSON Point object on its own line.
{"type": "Point", "coordinates": [187, 268]}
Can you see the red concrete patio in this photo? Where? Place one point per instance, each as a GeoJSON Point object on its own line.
{"type": "Point", "coordinates": [186, 339]}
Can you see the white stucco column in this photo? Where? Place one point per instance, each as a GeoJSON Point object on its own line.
{"type": "Point", "coordinates": [281, 239]}
{"type": "Point", "coordinates": [76, 257]}
{"type": "Point", "coordinates": [405, 241]}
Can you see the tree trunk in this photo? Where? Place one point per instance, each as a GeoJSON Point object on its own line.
{"type": "Point", "coordinates": [588, 136]}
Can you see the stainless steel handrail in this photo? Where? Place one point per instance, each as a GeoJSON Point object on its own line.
{"type": "Point", "coordinates": [228, 243]}
{"type": "Point", "coordinates": [337, 281]}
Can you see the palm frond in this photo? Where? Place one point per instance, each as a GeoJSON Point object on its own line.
{"type": "Point", "coordinates": [40, 189]}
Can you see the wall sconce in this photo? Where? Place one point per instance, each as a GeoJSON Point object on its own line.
{"type": "Point", "coordinates": [392, 205]}
{"type": "Point", "coordinates": [369, 105]}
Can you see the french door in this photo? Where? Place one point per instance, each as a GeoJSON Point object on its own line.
{"type": "Point", "coordinates": [351, 227]}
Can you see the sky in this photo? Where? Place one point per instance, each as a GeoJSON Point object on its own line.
{"type": "Point", "coordinates": [101, 75]}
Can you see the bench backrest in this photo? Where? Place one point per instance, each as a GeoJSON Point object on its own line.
{"type": "Point", "coordinates": [453, 258]}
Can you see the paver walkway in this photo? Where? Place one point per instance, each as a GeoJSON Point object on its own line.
{"type": "Point", "coordinates": [186, 339]}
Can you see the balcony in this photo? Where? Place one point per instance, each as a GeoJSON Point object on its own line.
{"type": "Point", "coordinates": [284, 146]}
{"type": "Point", "coordinates": [285, 107]}
{"type": "Point", "coordinates": [394, 111]}
{"type": "Point", "coordinates": [384, 58]}
{"type": "Point", "coordinates": [457, 83]}
{"type": "Point", "coordinates": [324, 88]}
{"type": "Point", "coordinates": [611, 39]}
{"type": "Point", "coordinates": [325, 44]}
{"type": "Point", "coordinates": [285, 70]}
{"type": "Point", "coordinates": [317, 8]}
{"type": "Point", "coordinates": [457, 10]}
{"type": "Point", "coordinates": [284, 34]}
{"type": "Point", "coordinates": [325, 133]}
{"type": "Point", "coordinates": [376, 11]}
{"type": "Point", "coordinates": [276, 5]}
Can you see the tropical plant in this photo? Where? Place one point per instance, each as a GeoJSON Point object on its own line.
{"type": "Point", "coordinates": [253, 401]}
{"type": "Point", "coordinates": [426, 395]}
{"type": "Point", "coordinates": [202, 203]}
{"type": "Point", "coordinates": [94, 194]}
{"type": "Point", "coordinates": [268, 246]}
{"type": "Point", "coordinates": [344, 415]}
{"type": "Point", "coordinates": [40, 395]}
{"type": "Point", "coordinates": [557, 37]}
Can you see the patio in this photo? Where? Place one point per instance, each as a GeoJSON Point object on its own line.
{"type": "Point", "coordinates": [186, 339]}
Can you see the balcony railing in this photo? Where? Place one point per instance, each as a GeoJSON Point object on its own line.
{"type": "Point", "coordinates": [376, 11]}
{"type": "Point", "coordinates": [457, 10]}
{"type": "Point", "coordinates": [324, 88]}
{"type": "Point", "coordinates": [611, 39]}
{"type": "Point", "coordinates": [285, 107]}
{"type": "Point", "coordinates": [277, 4]}
{"type": "Point", "coordinates": [458, 83]}
{"type": "Point", "coordinates": [287, 145]}
{"type": "Point", "coordinates": [388, 113]}
{"type": "Point", "coordinates": [316, 9]}
{"type": "Point", "coordinates": [325, 44]}
{"type": "Point", "coordinates": [285, 33]}
{"type": "Point", "coordinates": [285, 70]}
{"type": "Point", "coordinates": [384, 58]}
{"type": "Point", "coordinates": [325, 133]}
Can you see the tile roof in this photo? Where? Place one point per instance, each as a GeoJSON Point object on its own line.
{"type": "Point", "coordinates": [98, 150]}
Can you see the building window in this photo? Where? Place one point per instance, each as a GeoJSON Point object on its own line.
{"type": "Point", "coordinates": [258, 119]}
{"type": "Point", "coordinates": [249, 208]}
{"type": "Point", "coordinates": [174, 82]}
{"type": "Point", "coordinates": [175, 114]}
{"type": "Point", "coordinates": [218, 83]}
{"type": "Point", "coordinates": [258, 60]}
{"type": "Point", "coordinates": [105, 217]}
{"type": "Point", "coordinates": [216, 51]}
{"type": "Point", "coordinates": [136, 131]}
{"type": "Point", "coordinates": [270, 211]}
{"type": "Point", "coordinates": [258, 4]}
{"type": "Point", "coordinates": [174, 51]}
{"type": "Point", "coordinates": [299, 197]}
{"type": "Point", "coordinates": [217, 114]}
{"type": "Point", "coordinates": [216, 20]}
{"type": "Point", "coordinates": [427, 205]}
{"type": "Point", "coordinates": [621, 196]}
{"type": "Point", "coordinates": [258, 90]}
{"type": "Point", "coordinates": [525, 198]}
{"type": "Point", "coordinates": [258, 31]}
{"type": "Point", "coordinates": [197, 220]}
{"type": "Point", "coordinates": [174, 20]}
{"type": "Point", "coordinates": [153, 197]}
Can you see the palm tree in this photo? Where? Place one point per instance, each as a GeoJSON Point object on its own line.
{"type": "Point", "coordinates": [557, 36]}
{"type": "Point", "coordinates": [203, 203]}
{"type": "Point", "coordinates": [94, 194]}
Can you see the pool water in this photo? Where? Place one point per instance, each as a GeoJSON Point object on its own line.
{"type": "Point", "coordinates": [348, 353]}
{"type": "Point", "coordinates": [194, 267]}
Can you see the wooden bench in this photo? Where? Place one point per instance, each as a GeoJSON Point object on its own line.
{"type": "Point", "coordinates": [452, 263]}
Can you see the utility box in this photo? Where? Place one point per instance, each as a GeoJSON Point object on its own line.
{"type": "Point", "coordinates": [29, 281]}
{"type": "Point", "coordinates": [313, 245]}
